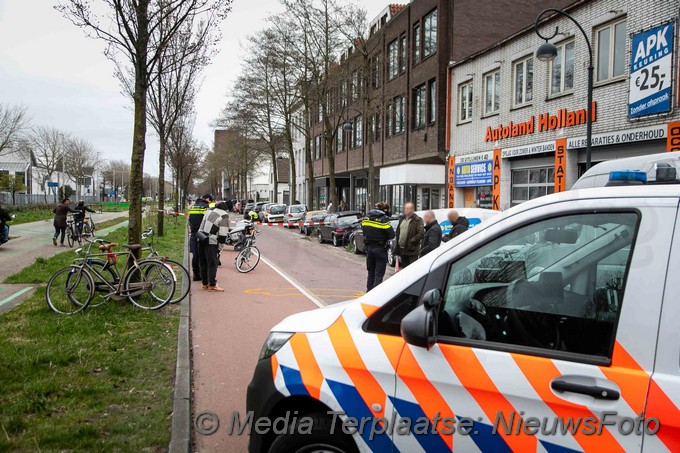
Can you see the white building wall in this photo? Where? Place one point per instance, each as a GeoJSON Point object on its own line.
{"type": "Point", "coordinates": [611, 98]}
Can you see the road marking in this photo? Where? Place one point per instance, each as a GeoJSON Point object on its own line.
{"type": "Point", "coordinates": [290, 280]}
{"type": "Point", "coordinates": [322, 292]}
{"type": "Point", "coordinates": [15, 295]}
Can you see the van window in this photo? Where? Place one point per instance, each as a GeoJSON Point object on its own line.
{"type": "Point", "coordinates": [556, 285]}
{"type": "Point", "coordinates": [387, 320]}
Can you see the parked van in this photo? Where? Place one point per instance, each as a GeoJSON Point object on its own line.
{"type": "Point", "coordinates": [662, 168]}
{"type": "Point", "coordinates": [552, 327]}
{"type": "Point", "coordinates": [475, 216]}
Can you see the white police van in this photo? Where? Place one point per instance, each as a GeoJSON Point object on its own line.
{"type": "Point", "coordinates": [552, 327]}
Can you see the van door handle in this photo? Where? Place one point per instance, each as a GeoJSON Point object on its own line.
{"type": "Point", "coordinates": [596, 391]}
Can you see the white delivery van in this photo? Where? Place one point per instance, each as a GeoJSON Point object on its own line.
{"type": "Point", "coordinates": [475, 216]}
{"type": "Point", "coordinates": [662, 168]}
{"type": "Point", "coordinates": [552, 327]}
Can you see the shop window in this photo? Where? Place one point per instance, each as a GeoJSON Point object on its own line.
{"type": "Point", "coordinates": [435, 199]}
{"type": "Point", "coordinates": [416, 44]}
{"type": "Point", "coordinates": [419, 106]}
{"type": "Point", "coordinates": [611, 51]}
{"type": "Point", "coordinates": [465, 102]}
{"type": "Point", "coordinates": [524, 81]}
{"type": "Point", "coordinates": [562, 69]}
{"type": "Point", "coordinates": [432, 101]}
{"type": "Point", "coordinates": [430, 34]}
{"type": "Point", "coordinates": [392, 59]}
{"type": "Point", "coordinates": [492, 92]}
{"type": "Point", "coordinates": [425, 200]}
{"type": "Point", "coordinates": [531, 183]}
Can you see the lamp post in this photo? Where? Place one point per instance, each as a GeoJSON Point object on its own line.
{"type": "Point", "coordinates": [547, 52]}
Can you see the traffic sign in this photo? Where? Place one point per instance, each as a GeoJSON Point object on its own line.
{"type": "Point", "coordinates": [52, 184]}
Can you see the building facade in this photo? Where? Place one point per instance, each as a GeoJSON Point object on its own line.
{"type": "Point", "coordinates": [402, 122]}
{"type": "Point", "coordinates": [518, 125]}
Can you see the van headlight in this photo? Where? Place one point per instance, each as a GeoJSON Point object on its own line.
{"type": "Point", "coordinates": [273, 343]}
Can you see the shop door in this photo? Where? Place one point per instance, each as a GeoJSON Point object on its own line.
{"type": "Point", "coordinates": [469, 197]}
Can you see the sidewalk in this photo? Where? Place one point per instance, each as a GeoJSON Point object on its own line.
{"type": "Point", "coordinates": [227, 332]}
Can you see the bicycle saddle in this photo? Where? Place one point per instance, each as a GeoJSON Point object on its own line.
{"type": "Point", "coordinates": [107, 247]}
{"type": "Point", "coordinates": [131, 246]}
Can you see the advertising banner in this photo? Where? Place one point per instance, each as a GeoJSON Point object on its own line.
{"type": "Point", "coordinates": [474, 174]}
{"type": "Point", "coordinates": [651, 75]}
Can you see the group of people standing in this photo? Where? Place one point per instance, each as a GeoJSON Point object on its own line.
{"type": "Point", "coordinates": [209, 224]}
{"type": "Point", "coordinates": [61, 212]}
{"type": "Point", "coordinates": [415, 237]}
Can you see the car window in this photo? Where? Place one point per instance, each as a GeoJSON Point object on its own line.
{"type": "Point", "coordinates": [387, 320]}
{"type": "Point", "coordinates": [277, 209]}
{"type": "Point", "coordinates": [556, 284]}
{"type": "Point", "coordinates": [297, 209]}
{"type": "Point", "coordinates": [348, 220]}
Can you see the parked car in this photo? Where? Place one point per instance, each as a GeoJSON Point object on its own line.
{"type": "Point", "coordinates": [237, 207]}
{"type": "Point", "coordinates": [264, 212]}
{"type": "Point", "coordinates": [358, 245]}
{"type": "Point", "coordinates": [276, 213]}
{"type": "Point", "coordinates": [311, 218]}
{"type": "Point", "coordinates": [244, 205]}
{"type": "Point", "coordinates": [294, 214]}
{"type": "Point", "coordinates": [336, 225]}
{"type": "Point", "coordinates": [247, 208]}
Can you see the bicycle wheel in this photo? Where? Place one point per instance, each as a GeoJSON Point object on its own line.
{"type": "Point", "coordinates": [150, 285]}
{"type": "Point", "coordinates": [69, 236]}
{"type": "Point", "coordinates": [87, 231]}
{"type": "Point", "coordinates": [247, 259]}
{"type": "Point", "coordinates": [70, 290]}
{"type": "Point", "coordinates": [182, 281]}
{"type": "Point", "coordinates": [109, 274]}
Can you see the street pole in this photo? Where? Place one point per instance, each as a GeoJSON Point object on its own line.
{"type": "Point", "coordinates": [547, 53]}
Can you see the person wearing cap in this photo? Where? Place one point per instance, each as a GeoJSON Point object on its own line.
{"type": "Point", "coordinates": [377, 233]}
{"type": "Point", "coordinates": [196, 213]}
{"type": "Point", "coordinates": [215, 228]}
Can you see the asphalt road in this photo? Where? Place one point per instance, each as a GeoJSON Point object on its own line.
{"type": "Point", "coordinates": [228, 329]}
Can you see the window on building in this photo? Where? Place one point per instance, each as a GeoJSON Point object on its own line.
{"type": "Point", "coordinates": [389, 119]}
{"type": "Point", "coordinates": [358, 131]}
{"type": "Point", "coordinates": [611, 50]}
{"type": "Point", "coordinates": [523, 73]}
{"type": "Point", "coordinates": [355, 85]}
{"type": "Point", "coordinates": [403, 53]}
{"type": "Point", "coordinates": [318, 147]}
{"type": "Point", "coordinates": [531, 183]}
{"type": "Point", "coordinates": [432, 101]}
{"type": "Point", "coordinates": [416, 44]}
{"type": "Point", "coordinates": [319, 115]}
{"type": "Point", "coordinates": [562, 69]}
{"type": "Point", "coordinates": [465, 101]}
{"type": "Point", "coordinates": [399, 114]}
{"type": "Point", "coordinates": [374, 128]}
{"type": "Point", "coordinates": [419, 106]}
{"type": "Point", "coordinates": [343, 94]}
{"type": "Point", "coordinates": [339, 140]}
{"type": "Point", "coordinates": [376, 71]}
{"type": "Point", "coordinates": [392, 59]}
{"type": "Point", "coordinates": [430, 34]}
{"type": "Point", "coordinates": [492, 92]}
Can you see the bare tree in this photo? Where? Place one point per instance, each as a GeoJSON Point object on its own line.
{"type": "Point", "coordinates": [80, 158]}
{"type": "Point", "coordinates": [184, 156]}
{"type": "Point", "coordinates": [45, 147]}
{"type": "Point", "coordinates": [13, 123]}
{"type": "Point", "coordinates": [12, 184]}
{"type": "Point", "coordinates": [136, 33]}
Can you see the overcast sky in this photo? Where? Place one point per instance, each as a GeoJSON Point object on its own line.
{"type": "Point", "coordinates": [64, 80]}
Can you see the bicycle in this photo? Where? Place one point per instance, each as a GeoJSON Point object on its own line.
{"type": "Point", "coordinates": [249, 257]}
{"type": "Point", "coordinates": [72, 233]}
{"type": "Point", "coordinates": [183, 273]}
{"type": "Point", "coordinates": [147, 284]}
{"type": "Point", "coordinates": [89, 227]}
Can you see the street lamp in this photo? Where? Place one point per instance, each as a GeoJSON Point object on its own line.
{"type": "Point", "coordinates": [547, 52]}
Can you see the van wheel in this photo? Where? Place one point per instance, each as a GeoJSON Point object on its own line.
{"type": "Point", "coordinates": [319, 439]}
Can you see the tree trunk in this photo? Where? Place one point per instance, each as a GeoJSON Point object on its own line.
{"type": "Point", "coordinates": [330, 157]}
{"type": "Point", "coordinates": [310, 169]}
{"type": "Point", "coordinates": [161, 179]}
{"type": "Point", "coordinates": [275, 179]}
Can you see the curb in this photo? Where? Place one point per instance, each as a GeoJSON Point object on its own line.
{"type": "Point", "coordinates": [180, 436]}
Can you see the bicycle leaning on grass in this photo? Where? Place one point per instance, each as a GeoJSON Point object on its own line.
{"type": "Point", "coordinates": [147, 284]}
{"type": "Point", "coordinates": [183, 281]}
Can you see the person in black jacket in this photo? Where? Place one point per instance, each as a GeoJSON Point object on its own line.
{"type": "Point", "coordinates": [433, 234]}
{"type": "Point", "coordinates": [377, 232]}
{"type": "Point", "coordinates": [4, 228]}
{"type": "Point", "coordinates": [196, 213]}
{"type": "Point", "coordinates": [459, 225]}
{"type": "Point", "coordinates": [79, 215]}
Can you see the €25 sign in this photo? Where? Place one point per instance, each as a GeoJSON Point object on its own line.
{"type": "Point", "coordinates": [651, 74]}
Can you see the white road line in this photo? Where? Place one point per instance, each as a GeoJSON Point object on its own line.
{"type": "Point", "coordinates": [15, 295]}
{"type": "Point", "coordinates": [297, 286]}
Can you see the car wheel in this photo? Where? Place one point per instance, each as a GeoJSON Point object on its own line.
{"type": "Point", "coordinates": [390, 257]}
{"type": "Point", "coordinates": [335, 240]}
{"type": "Point", "coordinates": [321, 439]}
{"type": "Point", "coordinates": [320, 237]}
{"type": "Point", "coordinates": [355, 249]}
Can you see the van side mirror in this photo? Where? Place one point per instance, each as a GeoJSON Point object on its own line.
{"type": "Point", "coordinates": [419, 327]}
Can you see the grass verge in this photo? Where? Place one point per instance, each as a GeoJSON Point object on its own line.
{"type": "Point", "coordinates": [100, 380]}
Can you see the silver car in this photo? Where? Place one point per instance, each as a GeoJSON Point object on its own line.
{"type": "Point", "coordinates": [295, 214]}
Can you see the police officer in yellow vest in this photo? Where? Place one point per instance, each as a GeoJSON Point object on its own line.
{"type": "Point", "coordinates": [196, 214]}
{"type": "Point", "coordinates": [377, 232]}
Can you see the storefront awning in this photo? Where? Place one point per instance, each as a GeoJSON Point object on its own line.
{"type": "Point", "coordinates": [413, 174]}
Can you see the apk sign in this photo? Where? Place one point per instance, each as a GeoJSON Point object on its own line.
{"type": "Point", "coordinates": [651, 75]}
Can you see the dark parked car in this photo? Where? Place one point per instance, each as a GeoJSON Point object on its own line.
{"type": "Point", "coordinates": [359, 246]}
{"type": "Point", "coordinates": [311, 218]}
{"type": "Point", "coordinates": [246, 205]}
{"type": "Point", "coordinates": [336, 225]}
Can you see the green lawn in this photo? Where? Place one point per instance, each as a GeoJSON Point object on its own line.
{"type": "Point", "coordinates": [31, 215]}
{"type": "Point", "coordinates": [101, 380]}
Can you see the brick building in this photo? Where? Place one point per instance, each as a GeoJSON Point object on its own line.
{"type": "Point", "coordinates": [403, 119]}
{"type": "Point", "coordinates": [523, 120]}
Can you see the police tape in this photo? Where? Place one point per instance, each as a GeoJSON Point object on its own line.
{"type": "Point", "coordinates": [298, 224]}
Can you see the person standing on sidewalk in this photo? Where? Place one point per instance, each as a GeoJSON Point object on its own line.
{"type": "Point", "coordinates": [410, 232]}
{"type": "Point", "coordinates": [377, 232]}
{"type": "Point", "coordinates": [433, 234]}
{"type": "Point", "coordinates": [196, 214]}
{"type": "Point", "coordinates": [215, 229]}
{"type": "Point", "coordinates": [4, 228]}
{"type": "Point", "coordinates": [60, 214]}
{"type": "Point", "coordinates": [459, 225]}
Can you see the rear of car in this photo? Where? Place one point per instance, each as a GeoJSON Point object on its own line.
{"type": "Point", "coordinates": [343, 223]}
{"type": "Point", "coordinates": [552, 327]}
{"type": "Point", "coordinates": [311, 221]}
{"type": "Point", "coordinates": [295, 214]}
{"type": "Point", "coordinates": [276, 213]}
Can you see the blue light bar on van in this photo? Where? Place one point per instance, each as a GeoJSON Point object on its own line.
{"type": "Point", "coordinates": [628, 176]}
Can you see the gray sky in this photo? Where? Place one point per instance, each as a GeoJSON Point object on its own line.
{"type": "Point", "coordinates": [64, 80]}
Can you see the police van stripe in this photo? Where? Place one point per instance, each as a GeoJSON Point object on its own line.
{"type": "Point", "coordinates": [312, 376]}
